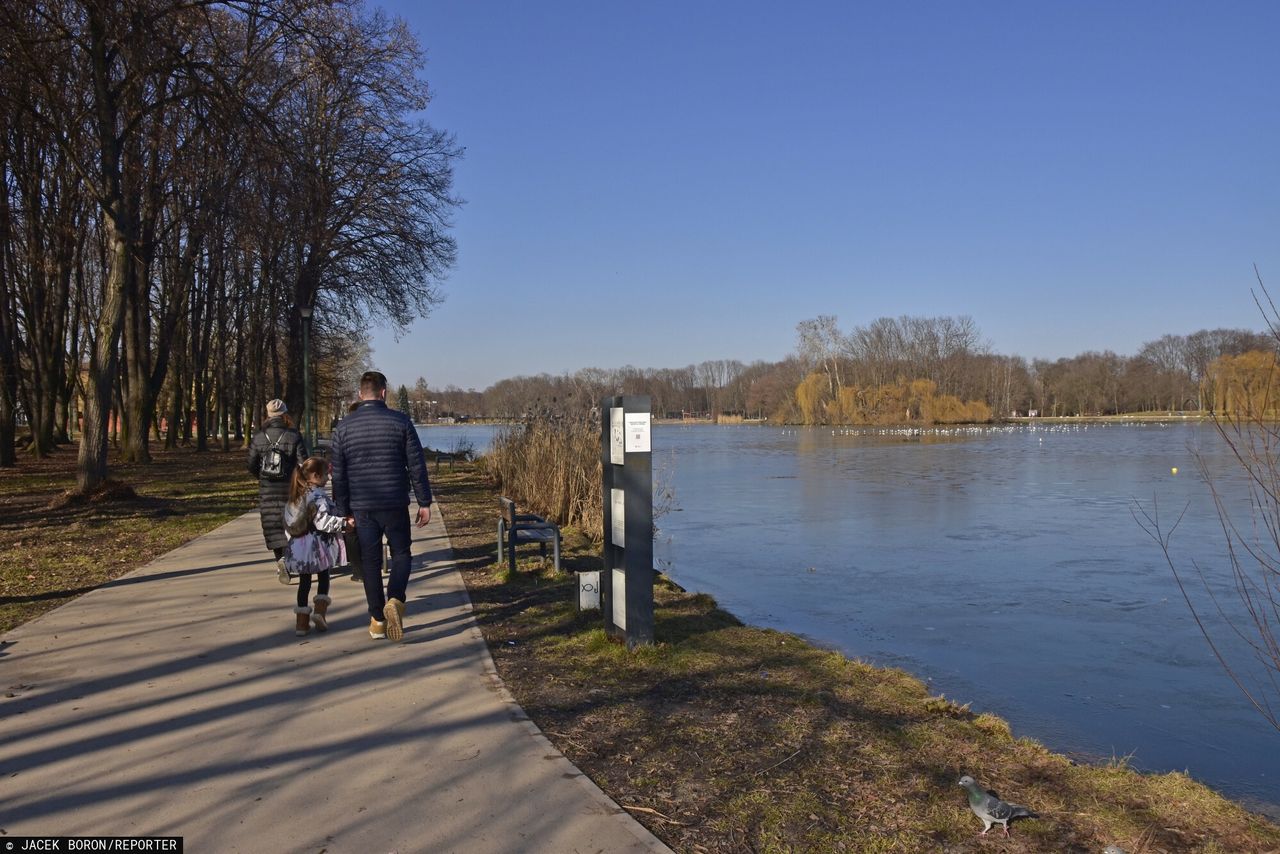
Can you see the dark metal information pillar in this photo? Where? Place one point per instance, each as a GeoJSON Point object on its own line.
{"type": "Point", "coordinates": [626, 585]}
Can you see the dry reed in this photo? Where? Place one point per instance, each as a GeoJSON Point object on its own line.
{"type": "Point", "coordinates": [551, 466]}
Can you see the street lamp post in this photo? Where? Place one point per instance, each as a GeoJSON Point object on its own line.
{"type": "Point", "coordinates": [308, 420]}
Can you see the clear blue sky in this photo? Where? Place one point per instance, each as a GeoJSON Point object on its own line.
{"type": "Point", "coordinates": [660, 183]}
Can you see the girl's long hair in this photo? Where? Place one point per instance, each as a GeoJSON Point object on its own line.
{"type": "Point", "coordinates": [302, 474]}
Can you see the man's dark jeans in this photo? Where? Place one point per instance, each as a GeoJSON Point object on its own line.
{"type": "Point", "coordinates": [371, 525]}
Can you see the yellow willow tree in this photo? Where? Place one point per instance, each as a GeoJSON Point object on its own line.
{"type": "Point", "coordinates": [904, 402]}
{"type": "Point", "coordinates": [811, 398]}
{"type": "Point", "coordinates": [847, 406]}
{"type": "Point", "coordinates": [1245, 386]}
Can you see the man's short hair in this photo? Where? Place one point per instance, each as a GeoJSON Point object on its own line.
{"type": "Point", "coordinates": [372, 382]}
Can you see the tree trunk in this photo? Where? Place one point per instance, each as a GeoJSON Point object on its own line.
{"type": "Point", "coordinates": [8, 331]}
{"type": "Point", "coordinates": [72, 380]}
{"type": "Point", "coordinates": [138, 398]}
{"type": "Point", "coordinates": [177, 394]}
{"type": "Point", "coordinates": [91, 468]}
{"type": "Point", "coordinates": [174, 418]}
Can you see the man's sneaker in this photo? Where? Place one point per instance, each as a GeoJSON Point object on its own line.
{"type": "Point", "coordinates": [377, 630]}
{"type": "Point", "coordinates": [282, 574]}
{"type": "Point", "coordinates": [394, 612]}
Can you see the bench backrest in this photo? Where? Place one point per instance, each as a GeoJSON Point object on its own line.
{"type": "Point", "coordinates": [508, 511]}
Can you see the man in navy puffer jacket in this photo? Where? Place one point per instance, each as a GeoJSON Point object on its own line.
{"type": "Point", "coordinates": [376, 456]}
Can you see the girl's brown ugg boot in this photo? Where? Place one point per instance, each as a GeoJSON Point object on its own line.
{"type": "Point", "coordinates": [318, 615]}
{"type": "Point", "coordinates": [302, 625]}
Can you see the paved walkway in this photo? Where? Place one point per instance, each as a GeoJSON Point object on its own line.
{"type": "Point", "coordinates": [176, 701]}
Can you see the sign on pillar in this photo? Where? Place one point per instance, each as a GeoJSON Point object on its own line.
{"type": "Point", "coordinates": [626, 585]}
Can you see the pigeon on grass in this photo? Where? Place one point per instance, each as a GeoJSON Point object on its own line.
{"type": "Point", "coordinates": [990, 809]}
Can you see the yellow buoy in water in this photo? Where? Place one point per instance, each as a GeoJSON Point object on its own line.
{"type": "Point", "coordinates": [1174, 469]}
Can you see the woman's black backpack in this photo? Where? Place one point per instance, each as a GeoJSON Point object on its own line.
{"type": "Point", "coordinates": [274, 463]}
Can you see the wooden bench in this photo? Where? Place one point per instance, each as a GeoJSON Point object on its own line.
{"type": "Point", "coordinates": [516, 529]}
{"type": "Point", "coordinates": [451, 457]}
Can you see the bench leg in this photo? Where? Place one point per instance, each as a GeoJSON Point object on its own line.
{"type": "Point", "coordinates": [557, 551]}
{"type": "Point", "coordinates": [511, 552]}
{"type": "Point", "coordinates": [501, 530]}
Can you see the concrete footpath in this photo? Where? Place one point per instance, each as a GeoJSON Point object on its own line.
{"type": "Point", "coordinates": [176, 701]}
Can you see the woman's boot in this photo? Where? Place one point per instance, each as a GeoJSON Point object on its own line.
{"type": "Point", "coordinates": [318, 615]}
{"type": "Point", "coordinates": [303, 621]}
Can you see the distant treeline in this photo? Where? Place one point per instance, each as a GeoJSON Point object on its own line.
{"type": "Point", "coordinates": [905, 369]}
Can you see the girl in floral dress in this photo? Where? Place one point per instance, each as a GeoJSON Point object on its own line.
{"type": "Point", "coordinates": [315, 542]}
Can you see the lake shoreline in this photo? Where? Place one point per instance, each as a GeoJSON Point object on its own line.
{"type": "Point", "coordinates": [1141, 417]}
{"type": "Point", "coordinates": [733, 421]}
{"type": "Point", "coordinates": [727, 736]}
{"type": "Point", "coordinates": [854, 536]}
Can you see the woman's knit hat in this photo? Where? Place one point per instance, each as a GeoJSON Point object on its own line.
{"type": "Point", "coordinates": [276, 408]}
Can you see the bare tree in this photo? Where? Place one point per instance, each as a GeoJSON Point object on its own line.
{"type": "Point", "coordinates": [178, 180]}
{"type": "Point", "coordinates": [100, 75]}
{"type": "Point", "coordinates": [1245, 635]}
{"type": "Point", "coordinates": [820, 344]}
{"type": "Point", "coordinates": [877, 351]}
{"type": "Point", "coordinates": [372, 200]}
{"type": "Point", "coordinates": [8, 312]}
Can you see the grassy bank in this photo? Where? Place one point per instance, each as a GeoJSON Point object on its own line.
{"type": "Point", "coordinates": [726, 737]}
{"type": "Point", "coordinates": [52, 551]}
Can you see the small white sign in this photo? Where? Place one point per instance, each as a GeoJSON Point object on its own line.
{"type": "Point", "coordinates": [618, 533]}
{"type": "Point", "coordinates": [616, 432]}
{"type": "Point", "coordinates": [588, 590]}
{"type": "Point", "coordinates": [620, 599]}
{"type": "Point", "coordinates": [637, 433]}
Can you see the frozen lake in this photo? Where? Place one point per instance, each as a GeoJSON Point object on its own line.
{"type": "Point", "coordinates": [1003, 565]}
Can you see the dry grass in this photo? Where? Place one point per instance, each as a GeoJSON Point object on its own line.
{"type": "Point", "coordinates": [53, 549]}
{"type": "Point", "coordinates": [552, 468]}
{"type": "Point", "coordinates": [725, 737]}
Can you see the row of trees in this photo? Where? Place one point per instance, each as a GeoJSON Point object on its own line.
{"type": "Point", "coordinates": [1171, 373]}
{"type": "Point", "coordinates": [180, 185]}
{"type": "Point", "coordinates": [714, 388]}
{"type": "Point", "coordinates": [935, 369]}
